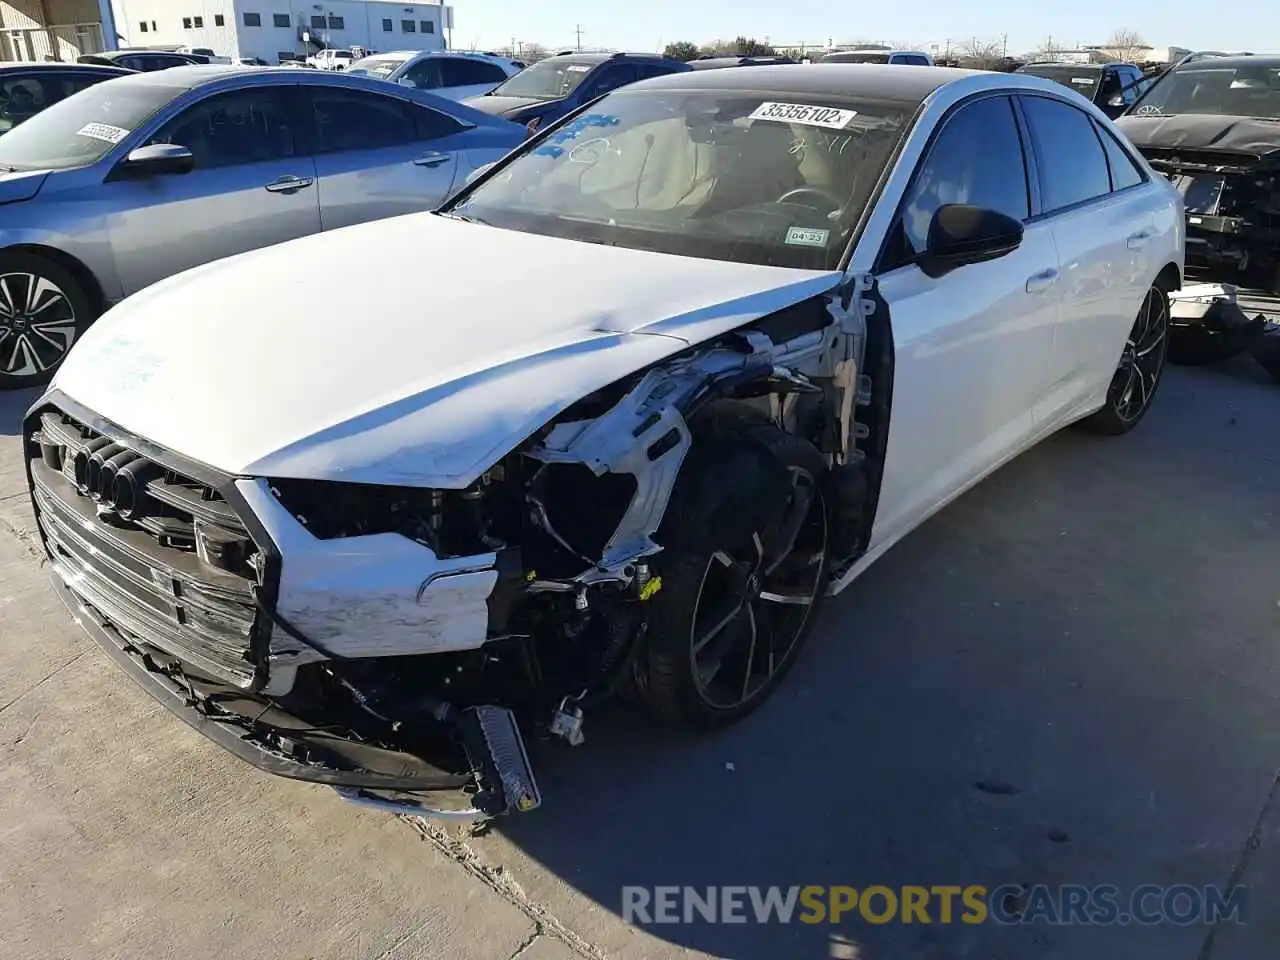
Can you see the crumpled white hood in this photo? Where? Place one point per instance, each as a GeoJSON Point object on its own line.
{"type": "Point", "coordinates": [416, 350]}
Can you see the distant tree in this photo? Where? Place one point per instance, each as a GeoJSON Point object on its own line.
{"type": "Point", "coordinates": [981, 54]}
{"type": "Point", "coordinates": [682, 50]}
{"type": "Point", "coordinates": [1126, 45]}
{"type": "Point", "coordinates": [532, 52]}
{"type": "Point", "coordinates": [751, 47]}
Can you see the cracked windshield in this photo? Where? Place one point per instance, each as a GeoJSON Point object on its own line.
{"type": "Point", "coordinates": [730, 176]}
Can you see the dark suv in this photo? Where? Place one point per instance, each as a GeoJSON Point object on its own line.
{"type": "Point", "coordinates": [551, 88]}
{"type": "Point", "coordinates": [1112, 87]}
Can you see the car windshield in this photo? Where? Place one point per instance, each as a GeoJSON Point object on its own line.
{"type": "Point", "coordinates": [1245, 91]}
{"type": "Point", "coordinates": [380, 67]}
{"type": "Point", "coordinates": [724, 175]}
{"type": "Point", "coordinates": [1082, 80]}
{"type": "Point", "coordinates": [83, 128]}
{"type": "Point", "coordinates": [546, 80]}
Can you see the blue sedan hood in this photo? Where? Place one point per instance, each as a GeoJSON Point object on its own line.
{"type": "Point", "coordinates": [23, 185]}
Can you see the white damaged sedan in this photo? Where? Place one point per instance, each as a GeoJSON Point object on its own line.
{"type": "Point", "coordinates": [617, 418]}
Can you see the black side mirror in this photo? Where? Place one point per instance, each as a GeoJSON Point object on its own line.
{"type": "Point", "coordinates": [156, 159]}
{"type": "Point", "coordinates": [960, 234]}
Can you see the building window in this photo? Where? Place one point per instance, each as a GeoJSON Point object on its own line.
{"type": "Point", "coordinates": [408, 26]}
{"type": "Point", "coordinates": [428, 26]}
{"type": "Point", "coordinates": [386, 26]}
{"type": "Point", "coordinates": [280, 20]}
{"type": "Point", "coordinates": [143, 26]}
{"type": "Point", "coordinates": [318, 23]}
{"type": "Point", "coordinates": [253, 19]}
{"type": "Point", "coordinates": [336, 23]}
{"type": "Point", "coordinates": [153, 26]}
{"type": "Point", "coordinates": [199, 22]}
{"type": "Point", "coordinates": [186, 23]}
{"type": "Point", "coordinates": [219, 20]}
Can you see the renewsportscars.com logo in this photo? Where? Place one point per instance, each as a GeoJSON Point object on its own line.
{"type": "Point", "coordinates": [1062, 905]}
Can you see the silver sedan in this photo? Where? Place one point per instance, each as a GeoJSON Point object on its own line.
{"type": "Point", "coordinates": [141, 177]}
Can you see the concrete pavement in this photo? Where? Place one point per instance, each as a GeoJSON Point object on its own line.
{"type": "Point", "coordinates": [1072, 675]}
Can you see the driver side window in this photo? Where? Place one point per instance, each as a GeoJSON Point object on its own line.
{"type": "Point", "coordinates": [252, 125]}
{"type": "Point", "coordinates": [976, 159]}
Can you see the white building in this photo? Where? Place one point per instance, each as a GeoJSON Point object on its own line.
{"type": "Point", "coordinates": [282, 29]}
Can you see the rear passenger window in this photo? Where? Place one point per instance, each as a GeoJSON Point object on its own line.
{"type": "Point", "coordinates": [461, 72]}
{"type": "Point", "coordinates": [1124, 172]}
{"type": "Point", "coordinates": [355, 120]}
{"type": "Point", "coordinates": [976, 159]}
{"type": "Point", "coordinates": [1072, 165]}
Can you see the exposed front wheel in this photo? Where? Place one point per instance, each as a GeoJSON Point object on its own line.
{"type": "Point", "coordinates": [1137, 376]}
{"type": "Point", "coordinates": [743, 574]}
{"type": "Point", "coordinates": [43, 309]}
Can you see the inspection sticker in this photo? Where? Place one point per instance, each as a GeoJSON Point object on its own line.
{"type": "Point", "coordinates": [807, 237]}
{"type": "Point", "coordinates": [577, 68]}
{"type": "Point", "coordinates": [1082, 81]}
{"type": "Point", "coordinates": [103, 131]}
{"type": "Point", "coordinates": [808, 114]}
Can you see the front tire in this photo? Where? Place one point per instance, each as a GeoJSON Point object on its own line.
{"type": "Point", "coordinates": [1141, 368]}
{"type": "Point", "coordinates": [43, 311]}
{"type": "Point", "coordinates": [744, 571]}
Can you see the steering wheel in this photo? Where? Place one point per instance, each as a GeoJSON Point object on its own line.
{"type": "Point", "coordinates": [829, 201]}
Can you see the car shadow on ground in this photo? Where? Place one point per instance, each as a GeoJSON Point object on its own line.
{"type": "Point", "coordinates": [1067, 676]}
{"type": "Point", "coordinates": [13, 406]}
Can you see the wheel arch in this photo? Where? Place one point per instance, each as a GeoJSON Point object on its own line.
{"type": "Point", "coordinates": [1169, 278]}
{"type": "Point", "coordinates": [84, 276]}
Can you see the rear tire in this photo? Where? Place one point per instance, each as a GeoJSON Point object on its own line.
{"type": "Point", "coordinates": [744, 571]}
{"type": "Point", "coordinates": [43, 311]}
{"type": "Point", "coordinates": [1141, 368]}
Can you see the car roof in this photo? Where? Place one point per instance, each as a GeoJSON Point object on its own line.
{"type": "Point", "coordinates": [1243, 60]}
{"type": "Point", "coordinates": [873, 80]}
{"type": "Point", "coordinates": [712, 63]}
{"type": "Point", "coordinates": [59, 67]}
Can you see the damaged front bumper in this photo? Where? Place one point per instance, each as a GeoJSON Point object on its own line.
{"type": "Point", "coordinates": [176, 575]}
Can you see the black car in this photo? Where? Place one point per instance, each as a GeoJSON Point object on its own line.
{"type": "Point", "coordinates": [1212, 126]}
{"type": "Point", "coordinates": [27, 88]}
{"type": "Point", "coordinates": [554, 87]}
{"type": "Point", "coordinates": [142, 60]}
{"type": "Point", "coordinates": [1112, 87]}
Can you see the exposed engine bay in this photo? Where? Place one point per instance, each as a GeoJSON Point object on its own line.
{"type": "Point", "coordinates": [548, 566]}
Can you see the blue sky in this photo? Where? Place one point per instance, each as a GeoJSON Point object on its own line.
{"type": "Point", "coordinates": [644, 24]}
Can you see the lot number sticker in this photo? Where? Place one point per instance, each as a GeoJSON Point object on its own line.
{"type": "Point", "coordinates": [807, 237]}
{"type": "Point", "coordinates": [103, 131]}
{"type": "Point", "coordinates": [808, 114]}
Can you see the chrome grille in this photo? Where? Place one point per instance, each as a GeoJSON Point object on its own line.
{"type": "Point", "coordinates": [160, 555]}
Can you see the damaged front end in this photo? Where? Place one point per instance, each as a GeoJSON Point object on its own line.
{"type": "Point", "coordinates": [400, 643]}
{"type": "Point", "coordinates": [1232, 200]}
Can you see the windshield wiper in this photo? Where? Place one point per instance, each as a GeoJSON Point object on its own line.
{"type": "Point", "coordinates": [464, 217]}
{"type": "Point", "coordinates": [5, 168]}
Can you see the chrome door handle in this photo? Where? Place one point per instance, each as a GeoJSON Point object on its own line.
{"type": "Point", "coordinates": [1138, 240]}
{"type": "Point", "coordinates": [432, 159]}
{"type": "Point", "coordinates": [1042, 281]}
{"type": "Point", "coordinates": [289, 184]}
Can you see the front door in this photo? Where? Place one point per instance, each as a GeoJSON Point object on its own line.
{"type": "Point", "coordinates": [970, 347]}
{"type": "Point", "coordinates": [378, 155]}
{"type": "Point", "coordinates": [253, 185]}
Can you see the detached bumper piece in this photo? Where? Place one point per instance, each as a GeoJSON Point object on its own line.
{"type": "Point", "coordinates": [1266, 349]}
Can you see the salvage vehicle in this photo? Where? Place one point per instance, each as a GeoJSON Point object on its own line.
{"type": "Point", "coordinates": [551, 88]}
{"type": "Point", "coordinates": [1113, 87]}
{"type": "Point", "coordinates": [100, 192]}
{"type": "Point", "coordinates": [809, 306]}
{"type": "Point", "coordinates": [28, 88]}
{"type": "Point", "coordinates": [1211, 126]}
{"type": "Point", "coordinates": [911, 58]}
{"type": "Point", "coordinates": [446, 73]}
{"type": "Point", "coordinates": [140, 59]}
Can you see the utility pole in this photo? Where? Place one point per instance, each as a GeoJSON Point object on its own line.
{"type": "Point", "coordinates": [1004, 45]}
{"type": "Point", "coordinates": [579, 33]}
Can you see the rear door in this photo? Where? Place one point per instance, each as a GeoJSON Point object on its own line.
{"type": "Point", "coordinates": [971, 347]}
{"type": "Point", "coordinates": [253, 185]}
{"type": "Point", "coordinates": [1102, 211]}
{"type": "Point", "coordinates": [379, 155]}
